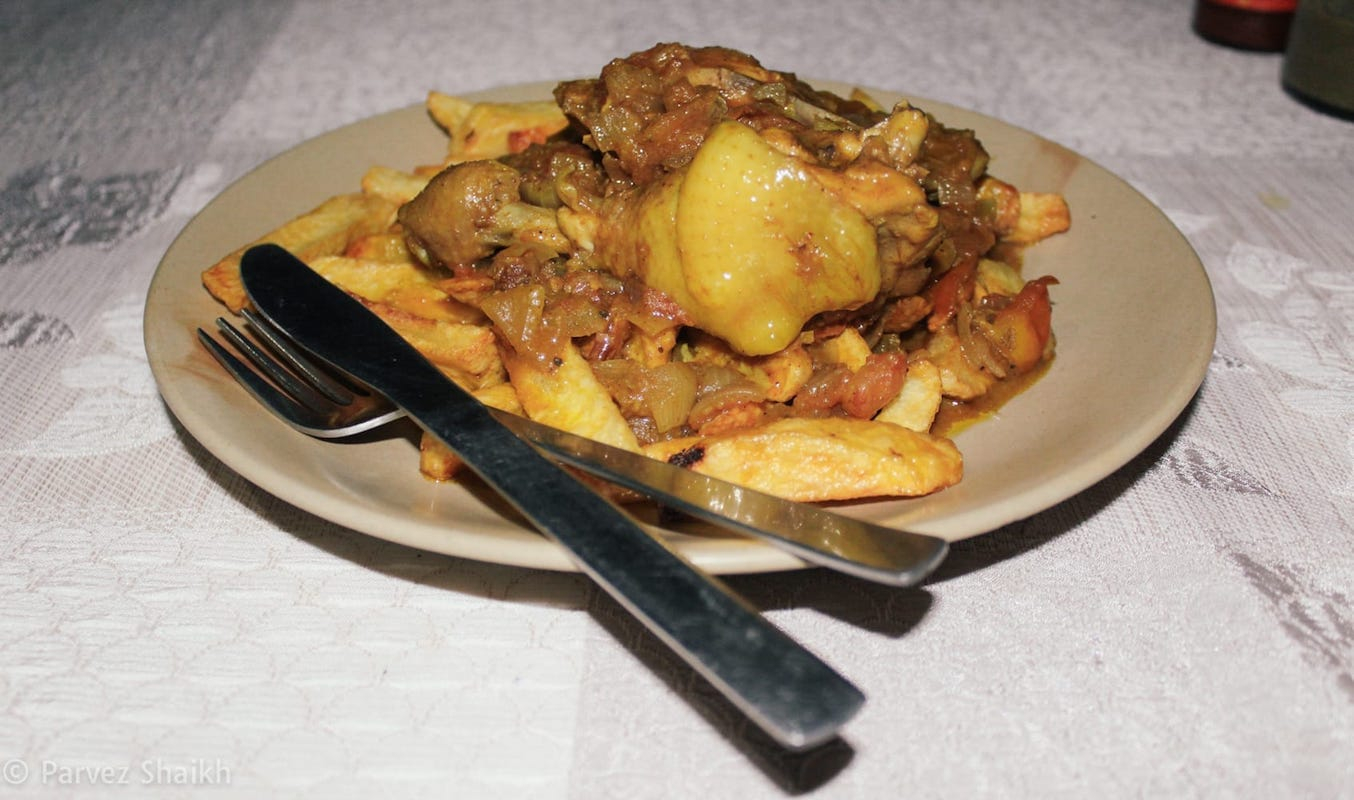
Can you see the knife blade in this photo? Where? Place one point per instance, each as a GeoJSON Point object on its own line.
{"type": "Point", "coordinates": [787, 691]}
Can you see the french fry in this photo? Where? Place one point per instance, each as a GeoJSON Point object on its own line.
{"type": "Point", "coordinates": [466, 353]}
{"type": "Point", "coordinates": [813, 460]}
{"type": "Point", "coordinates": [396, 186]}
{"type": "Point", "coordinates": [439, 463]}
{"type": "Point", "coordinates": [403, 285]}
{"type": "Point", "coordinates": [917, 404]}
{"type": "Point", "coordinates": [469, 289]}
{"type": "Point", "coordinates": [1041, 216]}
{"type": "Point", "coordinates": [959, 379]}
{"type": "Point", "coordinates": [389, 247]}
{"type": "Point", "coordinates": [780, 375]}
{"type": "Point", "coordinates": [326, 230]}
{"type": "Point", "coordinates": [1004, 200]}
{"type": "Point", "coordinates": [784, 373]}
{"type": "Point", "coordinates": [490, 130]}
{"type": "Point", "coordinates": [436, 460]}
{"type": "Point", "coordinates": [568, 396]}
{"type": "Point", "coordinates": [651, 348]}
{"type": "Point", "coordinates": [848, 349]}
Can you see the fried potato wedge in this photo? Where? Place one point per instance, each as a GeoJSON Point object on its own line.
{"type": "Point", "coordinates": [404, 285]}
{"type": "Point", "coordinates": [567, 395]}
{"type": "Point", "coordinates": [389, 247]}
{"type": "Point", "coordinates": [326, 230]}
{"type": "Point", "coordinates": [468, 354]}
{"type": "Point", "coordinates": [439, 462]}
{"type": "Point", "coordinates": [651, 348]}
{"type": "Point", "coordinates": [780, 375]}
{"type": "Point", "coordinates": [848, 349]}
{"type": "Point", "coordinates": [491, 130]}
{"type": "Point", "coordinates": [392, 184]}
{"type": "Point", "coordinates": [1041, 215]}
{"type": "Point", "coordinates": [917, 404]}
{"type": "Point", "coordinates": [1004, 200]}
{"type": "Point", "coordinates": [812, 460]}
{"type": "Point", "coordinates": [959, 379]}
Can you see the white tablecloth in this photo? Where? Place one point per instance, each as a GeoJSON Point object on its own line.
{"type": "Point", "coordinates": [1183, 628]}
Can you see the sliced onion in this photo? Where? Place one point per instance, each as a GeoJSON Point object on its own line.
{"type": "Point", "coordinates": [720, 388]}
{"type": "Point", "coordinates": [664, 393]}
{"type": "Point", "coordinates": [517, 313]}
{"type": "Point", "coordinates": [670, 394]}
{"type": "Point", "coordinates": [975, 347]}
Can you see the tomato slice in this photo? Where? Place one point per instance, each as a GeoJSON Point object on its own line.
{"type": "Point", "coordinates": [1024, 326]}
{"type": "Point", "coordinates": [949, 290]}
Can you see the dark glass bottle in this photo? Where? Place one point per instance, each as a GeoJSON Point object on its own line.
{"type": "Point", "coordinates": [1260, 25]}
{"type": "Point", "coordinates": [1319, 65]}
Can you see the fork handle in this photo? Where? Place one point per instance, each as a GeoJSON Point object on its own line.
{"type": "Point", "coordinates": [846, 544]}
{"type": "Point", "coordinates": [792, 694]}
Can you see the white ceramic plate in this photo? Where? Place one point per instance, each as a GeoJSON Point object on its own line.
{"type": "Point", "coordinates": [1134, 316]}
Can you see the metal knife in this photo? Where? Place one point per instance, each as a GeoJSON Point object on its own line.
{"type": "Point", "coordinates": [790, 693]}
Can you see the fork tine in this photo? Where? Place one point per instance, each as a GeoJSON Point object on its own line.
{"type": "Point", "coordinates": [320, 379]}
{"type": "Point", "coordinates": [272, 399]}
{"type": "Point", "coordinates": [331, 409]}
{"type": "Point", "coordinates": [298, 390]}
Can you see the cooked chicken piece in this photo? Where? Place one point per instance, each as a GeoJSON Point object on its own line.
{"type": "Point", "coordinates": [470, 211]}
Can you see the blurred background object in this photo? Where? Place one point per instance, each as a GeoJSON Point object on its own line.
{"type": "Point", "coordinates": [1318, 66]}
{"type": "Point", "coordinates": [1261, 25]}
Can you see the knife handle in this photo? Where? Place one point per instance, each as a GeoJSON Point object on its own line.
{"type": "Point", "coordinates": [789, 692]}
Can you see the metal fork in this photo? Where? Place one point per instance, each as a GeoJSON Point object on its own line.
{"type": "Point", "coordinates": [317, 402]}
{"type": "Point", "coordinates": [312, 400]}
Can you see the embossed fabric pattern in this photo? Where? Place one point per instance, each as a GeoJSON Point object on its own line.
{"type": "Point", "coordinates": [1182, 628]}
